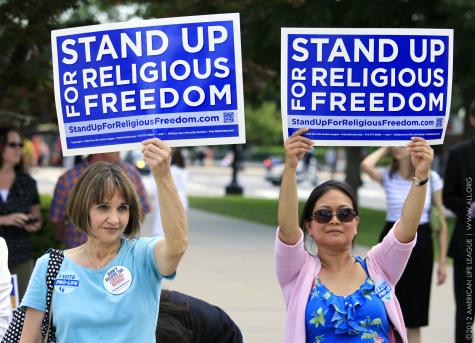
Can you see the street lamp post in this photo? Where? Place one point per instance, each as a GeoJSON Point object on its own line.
{"type": "Point", "coordinates": [234, 187]}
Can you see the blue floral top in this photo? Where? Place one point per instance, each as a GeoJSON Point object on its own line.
{"type": "Point", "coordinates": [358, 317]}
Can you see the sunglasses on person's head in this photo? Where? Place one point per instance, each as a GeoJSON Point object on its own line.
{"type": "Point", "coordinates": [324, 216]}
{"type": "Point", "coordinates": [14, 145]}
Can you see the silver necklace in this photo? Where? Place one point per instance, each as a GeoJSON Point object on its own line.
{"type": "Point", "coordinates": [92, 262]}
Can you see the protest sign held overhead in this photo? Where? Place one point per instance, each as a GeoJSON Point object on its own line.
{"type": "Point", "coordinates": [366, 86]}
{"type": "Point", "coordinates": [177, 79]}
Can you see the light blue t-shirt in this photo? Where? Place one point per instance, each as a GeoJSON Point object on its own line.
{"type": "Point", "coordinates": [90, 306]}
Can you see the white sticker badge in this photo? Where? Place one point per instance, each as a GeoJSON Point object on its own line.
{"type": "Point", "coordinates": [66, 283]}
{"type": "Point", "coordinates": [117, 280]}
{"type": "Point", "coordinates": [383, 290]}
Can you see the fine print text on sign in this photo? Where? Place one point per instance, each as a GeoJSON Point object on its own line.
{"type": "Point", "coordinates": [178, 79]}
{"type": "Point", "coordinates": [366, 86]}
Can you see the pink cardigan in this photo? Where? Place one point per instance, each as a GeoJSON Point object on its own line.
{"type": "Point", "coordinates": [296, 270]}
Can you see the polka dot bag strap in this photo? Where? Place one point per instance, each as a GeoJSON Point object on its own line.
{"type": "Point", "coordinates": [54, 264]}
{"type": "Point", "coordinates": [13, 333]}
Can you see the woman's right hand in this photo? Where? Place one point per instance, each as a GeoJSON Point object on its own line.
{"type": "Point", "coordinates": [295, 148]}
{"type": "Point", "coordinates": [15, 219]}
{"type": "Point", "coordinates": [157, 154]}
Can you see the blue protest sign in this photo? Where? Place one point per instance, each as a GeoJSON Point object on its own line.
{"type": "Point", "coordinates": [366, 86]}
{"type": "Point", "coordinates": [14, 294]}
{"type": "Point", "coordinates": [178, 79]}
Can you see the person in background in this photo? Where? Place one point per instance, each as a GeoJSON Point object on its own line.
{"type": "Point", "coordinates": [332, 296]}
{"type": "Point", "coordinates": [180, 176]}
{"type": "Point", "coordinates": [65, 231]}
{"type": "Point", "coordinates": [19, 207]}
{"type": "Point", "coordinates": [413, 289]}
{"type": "Point", "coordinates": [5, 289]}
{"type": "Point", "coordinates": [116, 297]}
{"type": "Point", "coordinates": [186, 319]}
{"type": "Point", "coordinates": [459, 198]}
{"type": "Point", "coordinates": [330, 160]}
{"type": "Point", "coordinates": [29, 157]}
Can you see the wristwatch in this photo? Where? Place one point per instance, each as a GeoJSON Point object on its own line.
{"type": "Point", "coordinates": [418, 182]}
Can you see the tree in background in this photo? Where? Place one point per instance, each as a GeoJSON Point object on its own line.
{"type": "Point", "coordinates": [26, 84]}
{"type": "Point", "coordinates": [25, 63]}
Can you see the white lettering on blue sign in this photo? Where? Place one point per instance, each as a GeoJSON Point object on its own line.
{"type": "Point", "coordinates": [160, 68]}
{"type": "Point", "coordinates": [66, 283]}
{"type": "Point", "coordinates": [354, 74]}
{"type": "Point", "coordinates": [383, 290]}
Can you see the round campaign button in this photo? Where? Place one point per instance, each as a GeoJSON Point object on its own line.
{"type": "Point", "coordinates": [383, 290]}
{"type": "Point", "coordinates": [66, 283]}
{"type": "Point", "coordinates": [117, 280]}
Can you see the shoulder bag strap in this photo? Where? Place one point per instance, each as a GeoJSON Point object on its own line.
{"type": "Point", "coordinates": [54, 264]}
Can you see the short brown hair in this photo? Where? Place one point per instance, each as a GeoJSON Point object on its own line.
{"type": "Point", "coordinates": [99, 182]}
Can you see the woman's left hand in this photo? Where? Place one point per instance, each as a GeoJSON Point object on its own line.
{"type": "Point", "coordinates": [441, 274]}
{"type": "Point", "coordinates": [33, 226]}
{"type": "Point", "coordinates": [421, 156]}
{"type": "Point", "coordinates": [158, 155]}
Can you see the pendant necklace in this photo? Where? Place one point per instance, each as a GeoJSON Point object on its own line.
{"type": "Point", "coordinates": [92, 262]}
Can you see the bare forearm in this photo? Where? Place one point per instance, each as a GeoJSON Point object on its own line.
{"type": "Point", "coordinates": [373, 158]}
{"type": "Point", "coordinates": [3, 220]}
{"type": "Point", "coordinates": [31, 332]}
{"type": "Point", "coordinates": [437, 199]}
{"type": "Point", "coordinates": [421, 158]}
{"type": "Point", "coordinates": [443, 239]}
{"type": "Point", "coordinates": [173, 216]}
{"type": "Point", "coordinates": [411, 213]}
{"type": "Point", "coordinates": [289, 231]}
{"type": "Point", "coordinates": [368, 165]}
{"type": "Point", "coordinates": [295, 148]}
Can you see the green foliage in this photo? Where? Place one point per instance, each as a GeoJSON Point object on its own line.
{"type": "Point", "coordinates": [45, 238]}
{"type": "Point", "coordinates": [264, 211]}
{"type": "Point", "coordinates": [25, 63]}
{"type": "Point", "coordinates": [26, 84]}
{"type": "Point", "coordinates": [261, 22]}
{"type": "Point", "coordinates": [260, 152]}
{"type": "Point", "coordinates": [263, 124]}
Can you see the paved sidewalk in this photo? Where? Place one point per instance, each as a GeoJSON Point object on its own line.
{"type": "Point", "coordinates": [230, 264]}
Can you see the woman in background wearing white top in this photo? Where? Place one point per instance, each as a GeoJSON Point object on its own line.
{"type": "Point", "coordinates": [413, 289]}
{"type": "Point", "coordinates": [180, 176]}
{"type": "Point", "coordinates": [5, 289]}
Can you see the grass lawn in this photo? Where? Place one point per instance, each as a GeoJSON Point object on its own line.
{"type": "Point", "coordinates": [264, 211]}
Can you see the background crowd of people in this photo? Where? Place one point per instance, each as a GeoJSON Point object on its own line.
{"type": "Point", "coordinates": [102, 199]}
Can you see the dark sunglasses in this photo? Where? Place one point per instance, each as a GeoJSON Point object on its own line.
{"type": "Point", "coordinates": [14, 145]}
{"type": "Point", "coordinates": [344, 215]}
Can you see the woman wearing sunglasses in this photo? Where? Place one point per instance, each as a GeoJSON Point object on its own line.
{"type": "Point", "coordinates": [413, 288]}
{"type": "Point", "coordinates": [332, 296]}
{"type": "Point", "coordinates": [19, 207]}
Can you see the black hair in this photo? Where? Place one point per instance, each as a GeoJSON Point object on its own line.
{"type": "Point", "coordinates": [394, 166]}
{"type": "Point", "coordinates": [4, 131]}
{"type": "Point", "coordinates": [177, 158]}
{"type": "Point", "coordinates": [170, 325]}
{"type": "Point", "coordinates": [321, 190]}
{"type": "Point", "coordinates": [471, 109]}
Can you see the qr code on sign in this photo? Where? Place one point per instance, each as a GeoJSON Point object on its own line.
{"type": "Point", "coordinates": [439, 122]}
{"type": "Point", "coordinates": [228, 117]}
